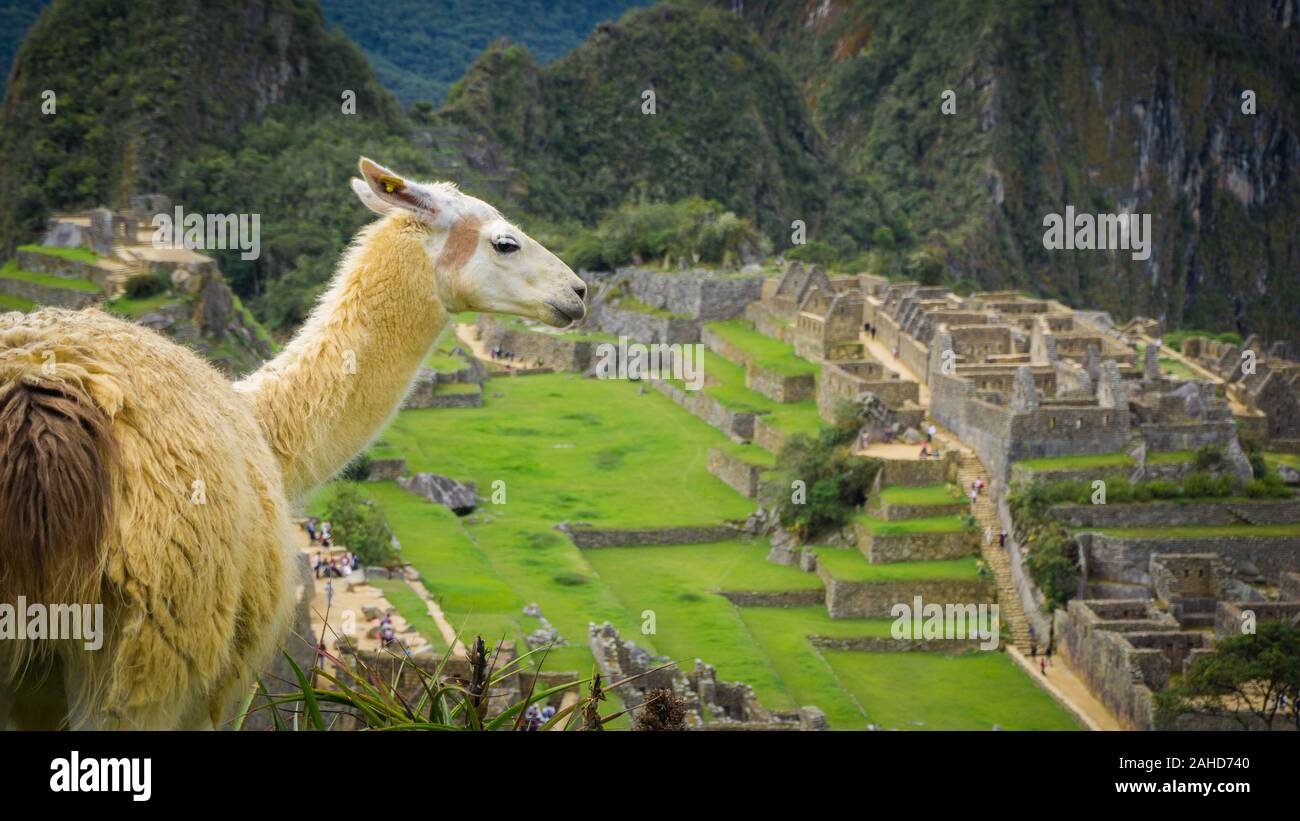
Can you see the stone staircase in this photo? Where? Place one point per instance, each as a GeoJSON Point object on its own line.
{"type": "Point", "coordinates": [986, 517]}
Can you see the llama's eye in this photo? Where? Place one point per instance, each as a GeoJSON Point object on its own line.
{"type": "Point", "coordinates": [505, 245]}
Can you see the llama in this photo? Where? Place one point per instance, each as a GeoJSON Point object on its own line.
{"type": "Point", "coordinates": [134, 476]}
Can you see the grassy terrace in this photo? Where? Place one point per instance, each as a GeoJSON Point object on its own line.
{"type": "Point", "coordinates": [852, 566]}
{"type": "Point", "coordinates": [1195, 532]}
{"type": "Point", "coordinates": [136, 308]}
{"type": "Point", "coordinates": [12, 271]}
{"type": "Point", "coordinates": [16, 303]}
{"type": "Point", "coordinates": [1104, 460]}
{"type": "Point", "coordinates": [928, 691]}
{"type": "Point", "coordinates": [600, 452]}
{"type": "Point", "coordinates": [945, 494]}
{"type": "Point", "coordinates": [1175, 368]}
{"type": "Point", "coordinates": [727, 385]}
{"type": "Point", "coordinates": [764, 351]}
{"type": "Point", "coordinates": [931, 524]}
{"type": "Point", "coordinates": [77, 254]}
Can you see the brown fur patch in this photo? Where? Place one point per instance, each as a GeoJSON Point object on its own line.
{"type": "Point", "coordinates": [57, 456]}
{"type": "Point", "coordinates": [461, 241]}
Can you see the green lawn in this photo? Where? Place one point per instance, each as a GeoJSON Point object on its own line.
{"type": "Point", "coordinates": [945, 494]}
{"type": "Point", "coordinates": [1174, 368]}
{"type": "Point", "coordinates": [764, 351]}
{"type": "Point", "coordinates": [78, 254]}
{"type": "Point", "coordinates": [600, 452]}
{"type": "Point", "coordinates": [933, 691]}
{"type": "Point", "coordinates": [852, 566]}
{"type": "Point", "coordinates": [1104, 460]}
{"type": "Point", "coordinates": [931, 524]}
{"type": "Point", "coordinates": [727, 385]}
{"type": "Point", "coordinates": [12, 271]}
{"type": "Point", "coordinates": [16, 303]}
{"type": "Point", "coordinates": [1290, 459]}
{"type": "Point", "coordinates": [136, 308]}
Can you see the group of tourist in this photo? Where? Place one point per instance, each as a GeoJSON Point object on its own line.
{"type": "Point", "coordinates": [869, 328]}
{"type": "Point", "coordinates": [976, 488]}
{"type": "Point", "coordinates": [326, 567]}
{"type": "Point", "coordinates": [319, 532]}
{"type": "Point", "coordinates": [1045, 660]}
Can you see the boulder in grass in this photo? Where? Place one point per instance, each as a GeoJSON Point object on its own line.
{"type": "Point", "coordinates": [460, 497]}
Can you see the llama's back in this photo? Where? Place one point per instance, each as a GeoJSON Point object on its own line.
{"type": "Point", "coordinates": [146, 486]}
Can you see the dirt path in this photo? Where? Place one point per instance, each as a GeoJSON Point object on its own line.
{"type": "Point", "coordinates": [1065, 687]}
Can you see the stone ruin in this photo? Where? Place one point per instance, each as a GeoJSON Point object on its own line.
{"type": "Point", "coordinates": [709, 704]}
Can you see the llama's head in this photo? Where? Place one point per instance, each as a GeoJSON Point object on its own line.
{"type": "Point", "coordinates": [483, 261]}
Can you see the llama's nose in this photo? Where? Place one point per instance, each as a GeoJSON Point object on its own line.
{"type": "Point", "coordinates": [581, 290]}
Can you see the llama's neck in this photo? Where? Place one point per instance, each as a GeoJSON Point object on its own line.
{"type": "Point", "coordinates": [345, 374]}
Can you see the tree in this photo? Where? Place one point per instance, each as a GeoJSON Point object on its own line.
{"type": "Point", "coordinates": [1253, 679]}
{"type": "Point", "coordinates": [359, 525]}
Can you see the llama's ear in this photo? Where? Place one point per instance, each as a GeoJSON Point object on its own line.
{"type": "Point", "coordinates": [368, 198]}
{"type": "Point", "coordinates": [430, 203]}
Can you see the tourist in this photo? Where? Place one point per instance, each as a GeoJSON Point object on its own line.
{"type": "Point", "coordinates": [864, 439]}
{"type": "Point", "coordinates": [1048, 654]}
{"type": "Point", "coordinates": [930, 432]}
{"type": "Point", "coordinates": [895, 351]}
{"type": "Point", "coordinates": [1002, 539]}
{"type": "Point", "coordinates": [1042, 666]}
{"type": "Point", "coordinates": [311, 531]}
{"type": "Point", "coordinates": [315, 564]}
{"type": "Point", "coordinates": [973, 496]}
{"type": "Point", "coordinates": [925, 450]}
{"type": "Point", "coordinates": [329, 593]}
{"type": "Point", "coordinates": [1033, 646]}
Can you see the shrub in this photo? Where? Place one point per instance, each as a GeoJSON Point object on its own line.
{"type": "Point", "coordinates": [143, 286]}
{"type": "Point", "coordinates": [836, 482]}
{"type": "Point", "coordinates": [359, 525]}
{"type": "Point", "coordinates": [1199, 485]}
{"type": "Point", "coordinates": [1163, 489]}
{"type": "Point", "coordinates": [358, 470]}
{"type": "Point", "coordinates": [700, 230]}
{"type": "Point", "coordinates": [1208, 458]}
{"type": "Point", "coordinates": [1052, 569]}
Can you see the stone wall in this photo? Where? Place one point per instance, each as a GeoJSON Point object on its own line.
{"type": "Point", "coordinates": [739, 425]}
{"type": "Point", "coordinates": [700, 294]}
{"type": "Point", "coordinates": [778, 387]}
{"type": "Point", "coordinates": [873, 600]}
{"type": "Point", "coordinates": [893, 512]}
{"type": "Point", "coordinates": [642, 327]}
{"type": "Point", "coordinates": [61, 267]}
{"type": "Point", "coordinates": [46, 294]}
{"type": "Point", "coordinates": [742, 476]}
{"type": "Point", "coordinates": [383, 470]}
{"type": "Point", "coordinates": [555, 352]}
{"type": "Point", "coordinates": [1175, 514]}
{"type": "Point", "coordinates": [426, 395]}
{"type": "Point", "coordinates": [1228, 616]}
{"type": "Point", "coordinates": [1128, 559]}
{"type": "Point", "coordinates": [919, 472]}
{"type": "Point", "coordinates": [767, 436]}
{"type": "Point", "coordinates": [588, 538]}
{"type": "Point", "coordinates": [875, 644]}
{"type": "Point", "coordinates": [1095, 637]}
{"type": "Point", "coordinates": [780, 598]}
{"type": "Point", "coordinates": [914, 547]}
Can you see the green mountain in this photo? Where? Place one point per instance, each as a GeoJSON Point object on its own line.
{"type": "Point", "coordinates": [1106, 105]}
{"type": "Point", "coordinates": [727, 123]}
{"type": "Point", "coordinates": [418, 49]}
{"type": "Point", "coordinates": [141, 84]}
